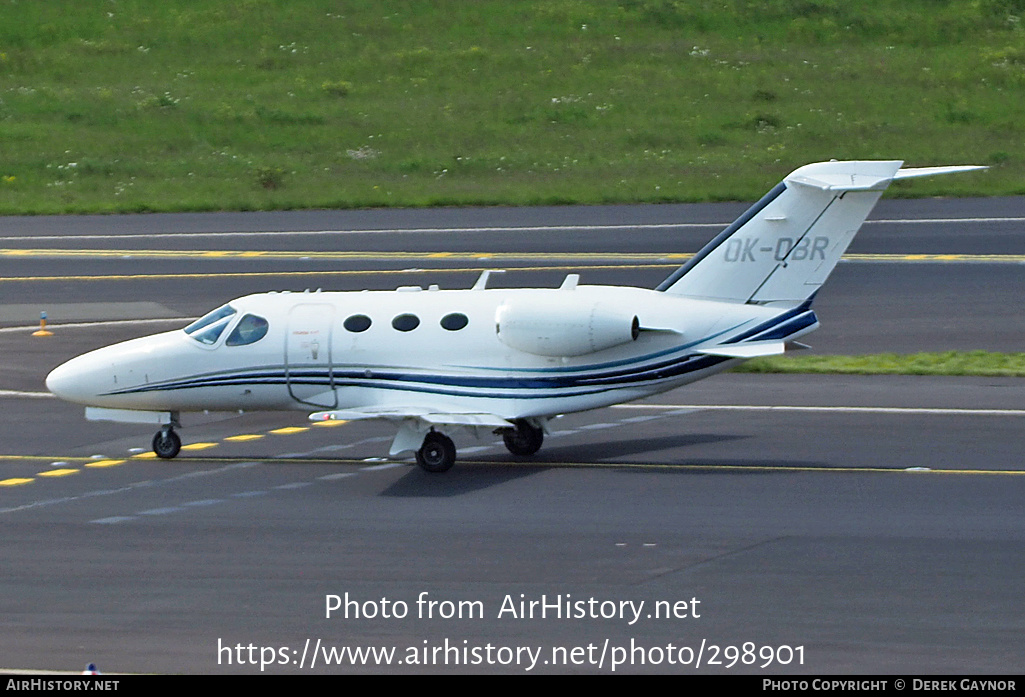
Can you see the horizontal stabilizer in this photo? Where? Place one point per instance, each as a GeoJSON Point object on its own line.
{"type": "Point", "coordinates": [751, 349]}
{"type": "Point", "coordinates": [913, 172]}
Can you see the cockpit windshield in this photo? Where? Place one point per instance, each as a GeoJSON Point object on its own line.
{"type": "Point", "coordinates": [249, 330]}
{"type": "Point", "coordinates": [208, 328]}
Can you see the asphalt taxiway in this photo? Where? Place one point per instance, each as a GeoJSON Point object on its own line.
{"type": "Point", "coordinates": [823, 524]}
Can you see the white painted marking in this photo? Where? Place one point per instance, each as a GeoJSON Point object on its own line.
{"type": "Point", "coordinates": [107, 323]}
{"type": "Point", "coordinates": [129, 487]}
{"type": "Point", "coordinates": [471, 229]}
{"type": "Point", "coordinates": [114, 519]}
{"type": "Point", "coordinates": [335, 477]}
{"type": "Point", "coordinates": [639, 419]}
{"type": "Point", "coordinates": [942, 411]}
{"type": "Point", "coordinates": [475, 449]}
{"type": "Point", "coordinates": [293, 485]}
{"type": "Point", "coordinates": [387, 466]}
{"type": "Point", "coordinates": [162, 511]}
{"type": "Point", "coordinates": [940, 221]}
{"type": "Point", "coordinates": [27, 395]}
{"type": "Point", "coordinates": [332, 448]}
{"type": "Point", "coordinates": [204, 502]}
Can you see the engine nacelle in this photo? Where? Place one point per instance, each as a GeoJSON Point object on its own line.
{"type": "Point", "coordinates": [563, 326]}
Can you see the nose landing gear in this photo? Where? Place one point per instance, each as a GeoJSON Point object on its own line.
{"type": "Point", "coordinates": [166, 443]}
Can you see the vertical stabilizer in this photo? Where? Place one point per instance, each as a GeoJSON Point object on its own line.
{"type": "Point", "coordinates": [784, 247]}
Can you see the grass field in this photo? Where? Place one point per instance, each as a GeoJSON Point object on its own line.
{"type": "Point", "coordinates": [971, 363]}
{"type": "Point", "coordinates": [147, 105]}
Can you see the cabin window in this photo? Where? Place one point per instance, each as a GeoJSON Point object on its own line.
{"type": "Point", "coordinates": [249, 330]}
{"type": "Point", "coordinates": [208, 328]}
{"type": "Point", "coordinates": [406, 323]}
{"type": "Point", "coordinates": [357, 323]}
{"type": "Point", "coordinates": [454, 322]}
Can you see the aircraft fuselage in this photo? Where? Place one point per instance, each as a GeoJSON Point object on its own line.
{"type": "Point", "coordinates": [499, 351]}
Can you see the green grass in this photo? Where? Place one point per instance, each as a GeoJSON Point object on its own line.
{"type": "Point", "coordinates": [140, 105]}
{"type": "Point", "coordinates": [963, 363]}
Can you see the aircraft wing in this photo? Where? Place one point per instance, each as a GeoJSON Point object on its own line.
{"type": "Point", "coordinates": [427, 416]}
{"type": "Point", "coordinates": [413, 422]}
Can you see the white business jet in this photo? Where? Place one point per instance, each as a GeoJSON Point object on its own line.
{"type": "Point", "coordinates": [496, 360]}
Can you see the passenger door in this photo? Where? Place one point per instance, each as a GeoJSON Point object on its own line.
{"type": "Point", "coordinates": [309, 372]}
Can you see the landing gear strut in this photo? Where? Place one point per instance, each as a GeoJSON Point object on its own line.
{"type": "Point", "coordinates": [525, 439]}
{"type": "Point", "coordinates": [166, 443]}
{"type": "Point", "coordinates": [437, 454]}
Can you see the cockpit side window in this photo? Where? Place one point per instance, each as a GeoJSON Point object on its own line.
{"type": "Point", "coordinates": [249, 330]}
{"type": "Point", "coordinates": [208, 328]}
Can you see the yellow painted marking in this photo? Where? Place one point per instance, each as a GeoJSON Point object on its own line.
{"type": "Point", "coordinates": [710, 468]}
{"type": "Point", "coordinates": [57, 473]}
{"type": "Point", "coordinates": [244, 437]}
{"type": "Point", "coordinates": [587, 258]}
{"type": "Point", "coordinates": [328, 255]}
{"type": "Point", "coordinates": [332, 422]}
{"type": "Point", "coordinates": [14, 482]}
{"type": "Point", "coordinates": [321, 274]}
{"type": "Point", "coordinates": [199, 446]}
{"type": "Point", "coordinates": [148, 455]}
{"type": "Point", "coordinates": [289, 429]}
{"type": "Point", "coordinates": [993, 258]}
{"type": "Point", "coordinates": [48, 458]}
{"type": "Point", "coordinates": [105, 463]}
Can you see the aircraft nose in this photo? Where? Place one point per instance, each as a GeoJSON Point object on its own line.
{"type": "Point", "coordinates": [75, 381]}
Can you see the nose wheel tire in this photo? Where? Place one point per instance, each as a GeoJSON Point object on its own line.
{"type": "Point", "coordinates": [166, 444]}
{"type": "Point", "coordinates": [437, 454]}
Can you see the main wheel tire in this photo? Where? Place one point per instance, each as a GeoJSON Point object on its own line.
{"type": "Point", "coordinates": [166, 444]}
{"type": "Point", "coordinates": [437, 454]}
{"type": "Point", "coordinates": [524, 440]}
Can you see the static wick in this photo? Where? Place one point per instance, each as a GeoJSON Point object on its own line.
{"type": "Point", "coordinates": [42, 331]}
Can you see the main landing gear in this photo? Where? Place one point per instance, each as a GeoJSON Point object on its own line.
{"type": "Point", "coordinates": [166, 443]}
{"type": "Point", "coordinates": [524, 440]}
{"type": "Point", "coordinates": [438, 452]}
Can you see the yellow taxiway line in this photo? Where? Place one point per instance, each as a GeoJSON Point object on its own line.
{"type": "Point", "coordinates": [540, 257]}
